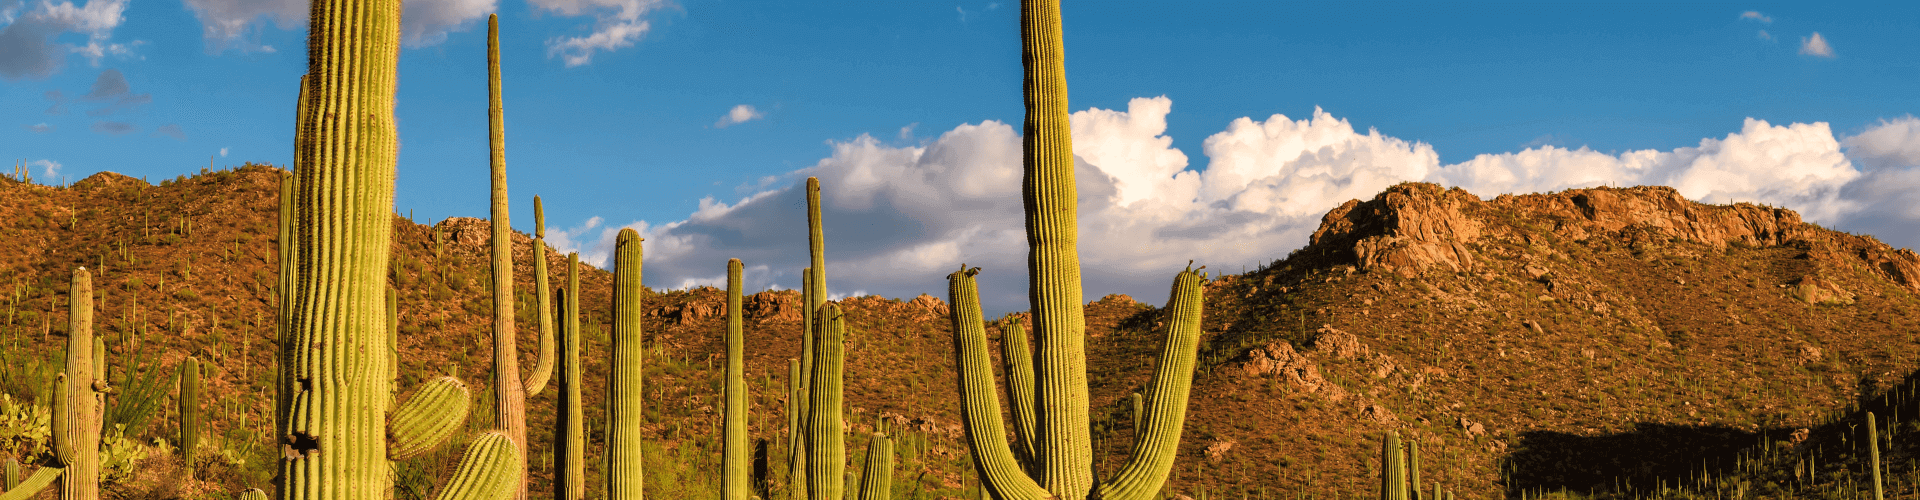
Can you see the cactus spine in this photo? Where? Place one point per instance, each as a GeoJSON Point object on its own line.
{"type": "Point", "coordinates": [826, 442]}
{"type": "Point", "coordinates": [734, 449]}
{"type": "Point", "coordinates": [570, 482]}
{"type": "Point", "coordinates": [190, 412]}
{"type": "Point", "coordinates": [626, 398]}
{"type": "Point", "coordinates": [509, 397]}
{"type": "Point", "coordinates": [543, 302]}
{"type": "Point", "coordinates": [81, 451]}
{"type": "Point", "coordinates": [876, 481]}
{"type": "Point", "coordinates": [333, 410]}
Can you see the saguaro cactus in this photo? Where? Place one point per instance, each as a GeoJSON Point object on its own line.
{"type": "Point", "coordinates": [626, 398]}
{"type": "Point", "coordinates": [802, 394]}
{"type": "Point", "coordinates": [1018, 358]}
{"type": "Point", "coordinates": [543, 302]}
{"type": "Point", "coordinates": [734, 449]}
{"type": "Point", "coordinates": [1873, 447]}
{"type": "Point", "coordinates": [81, 451]}
{"type": "Point", "coordinates": [826, 444]}
{"type": "Point", "coordinates": [509, 397]}
{"type": "Point", "coordinates": [190, 412]}
{"type": "Point", "coordinates": [1413, 469]}
{"type": "Point", "coordinates": [1393, 468]}
{"type": "Point", "coordinates": [570, 482]}
{"type": "Point", "coordinates": [1062, 447]}
{"type": "Point", "coordinates": [12, 475]}
{"type": "Point", "coordinates": [334, 379]}
{"type": "Point", "coordinates": [876, 480]}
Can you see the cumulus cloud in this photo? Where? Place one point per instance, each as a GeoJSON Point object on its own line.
{"type": "Point", "coordinates": [113, 128]}
{"type": "Point", "coordinates": [899, 218]}
{"type": "Point", "coordinates": [739, 114]}
{"type": "Point", "coordinates": [40, 128]}
{"type": "Point", "coordinates": [1816, 46]}
{"type": "Point", "coordinates": [171, 130]}
{"type": "Point", "coordinates": [223, 152]}
{"type": "Point", "coordinates": [30, 46]}
{"type": "Point", "coordinates": [236, 24]}
{"type": "Point", "coordinates": [617, 24]}
{"type": "Point", "coordinates": [50, 167]}
{"type": "Point", "coordinates": [1756, 16]}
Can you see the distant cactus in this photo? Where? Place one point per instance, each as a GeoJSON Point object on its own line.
{"type": "Point", "coordinates": [626, 395]}
{"type": "Point", "coordinates": [190, 413]}
{"type": "Point", "coordinates": [734, 448]}
{"type": "Point", "coordinates": [1873, 445]}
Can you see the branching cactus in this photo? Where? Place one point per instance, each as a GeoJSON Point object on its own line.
{"type": "Point", "coordinates": [334, 420]}
{"type": "Point", "coordinates": [543, 302]}
{"type": "Point", "coordinates": [1061, 445]}
{"type": "Point", "coordinates": [826, 440]}
{"type": "Point", "coordinates": [190, 417]}
{"type": "Point", "coordinates": [734, 448]}
{"type": "Point", "coordinates": [626, 398]}
{"type": "Point", "coordinates": [509, 397]}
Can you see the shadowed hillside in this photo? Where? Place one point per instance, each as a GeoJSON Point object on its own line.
{"type": "Point", "coordinates": [1576, 340]}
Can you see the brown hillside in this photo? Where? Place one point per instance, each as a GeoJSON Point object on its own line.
{"type": "Point", "coordinates": [1572, 339]}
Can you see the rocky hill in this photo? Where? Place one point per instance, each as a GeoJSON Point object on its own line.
{"type": "Point", "coordinates": [1590, 340]}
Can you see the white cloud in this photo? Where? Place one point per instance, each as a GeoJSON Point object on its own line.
{"type": "Point", "coordinates": [40, 128]}
{"type": "Point", "coordinates": [223, 152]}
{"type": "Point", "coordinates": [1764, 35]}
{"type": "Point", "coordinates": [1816, 46]}
{"type": "Point", "coordinates": [29, 46]}
{"type": "Point", "coordinates": [235, 24]}
{"type": "Point", "coordinates": [618, 24]}
{"type": "Point", "coordinates": [899, 218]}
{"type": "Point", "coordinates": [1757, 16]}
{"type": "Point", "coordinates": [50, 167]}
{"type": "Point", "coordinates": [739, 114]}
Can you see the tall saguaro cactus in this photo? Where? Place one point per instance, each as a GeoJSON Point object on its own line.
{"type": "Point", "coordinates": [509, 397]}
{"type": "Point", "coordinates": [335, 371]}
{"type": "Point", "coordinates": [626, 398]}
{"type": "Point", "coordinates": [570, 482]}
{"type": "Point", "coordinates": [81, 451]}
{"type": "Point", "coordinates": [1393, 468]}
{"type": "Point", "coordinates": [1061, 447]}
{"type": "Point", "coordinates": [876, 478]}
{"type": "Point", "coordinates": [734, 449]}
{"type": "Point", "coordinates": [826, 441]}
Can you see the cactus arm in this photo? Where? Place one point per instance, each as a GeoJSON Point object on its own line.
{"type": "Point", "coordinates": [734, 450]}
{"type": "Point", "coordinates": [510, 398]}
{"type": "Point", "coordinates": [393, 341]}
{"type": "Point", "coordinates": [876, 480]}
{"type": "Point", "coordinates": [1053, 266]}
{"type": "Point", "coordinates": [33, 484]}
{"type": "Point", "coordinates": [625, 396]}
{"type": "Point", "coordinates": [1413, 469]}
{"type": "Point", "coordinates": [570, 483]}
{"type": "Point", "coordinates": [815, 240]}
{"type": "Point", "coordinates": [796, 466]}
{"type": "Point", "coordinates": [82, 412]}
{"type": "Point", "coordinates": [543, 363]}
{"type": "Point", "coordinates": [427, 418]}
{"type": "Point", "coordinates": [827, 462]}
{"type": "Point", "coordinates": [490, 470]}
{"type": "Point", "coordinates": [1157, 442]}
{"type": "Point", "coordinates": [997, 467]}
{"type": "Point", "coordinates": [1017, 358]}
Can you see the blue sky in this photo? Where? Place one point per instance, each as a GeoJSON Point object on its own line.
{"type": "Point", "coordinates": [1807, 106]}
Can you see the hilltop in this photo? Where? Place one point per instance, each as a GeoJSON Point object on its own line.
{"type": "Point", "coordinates": [1576, 340]}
